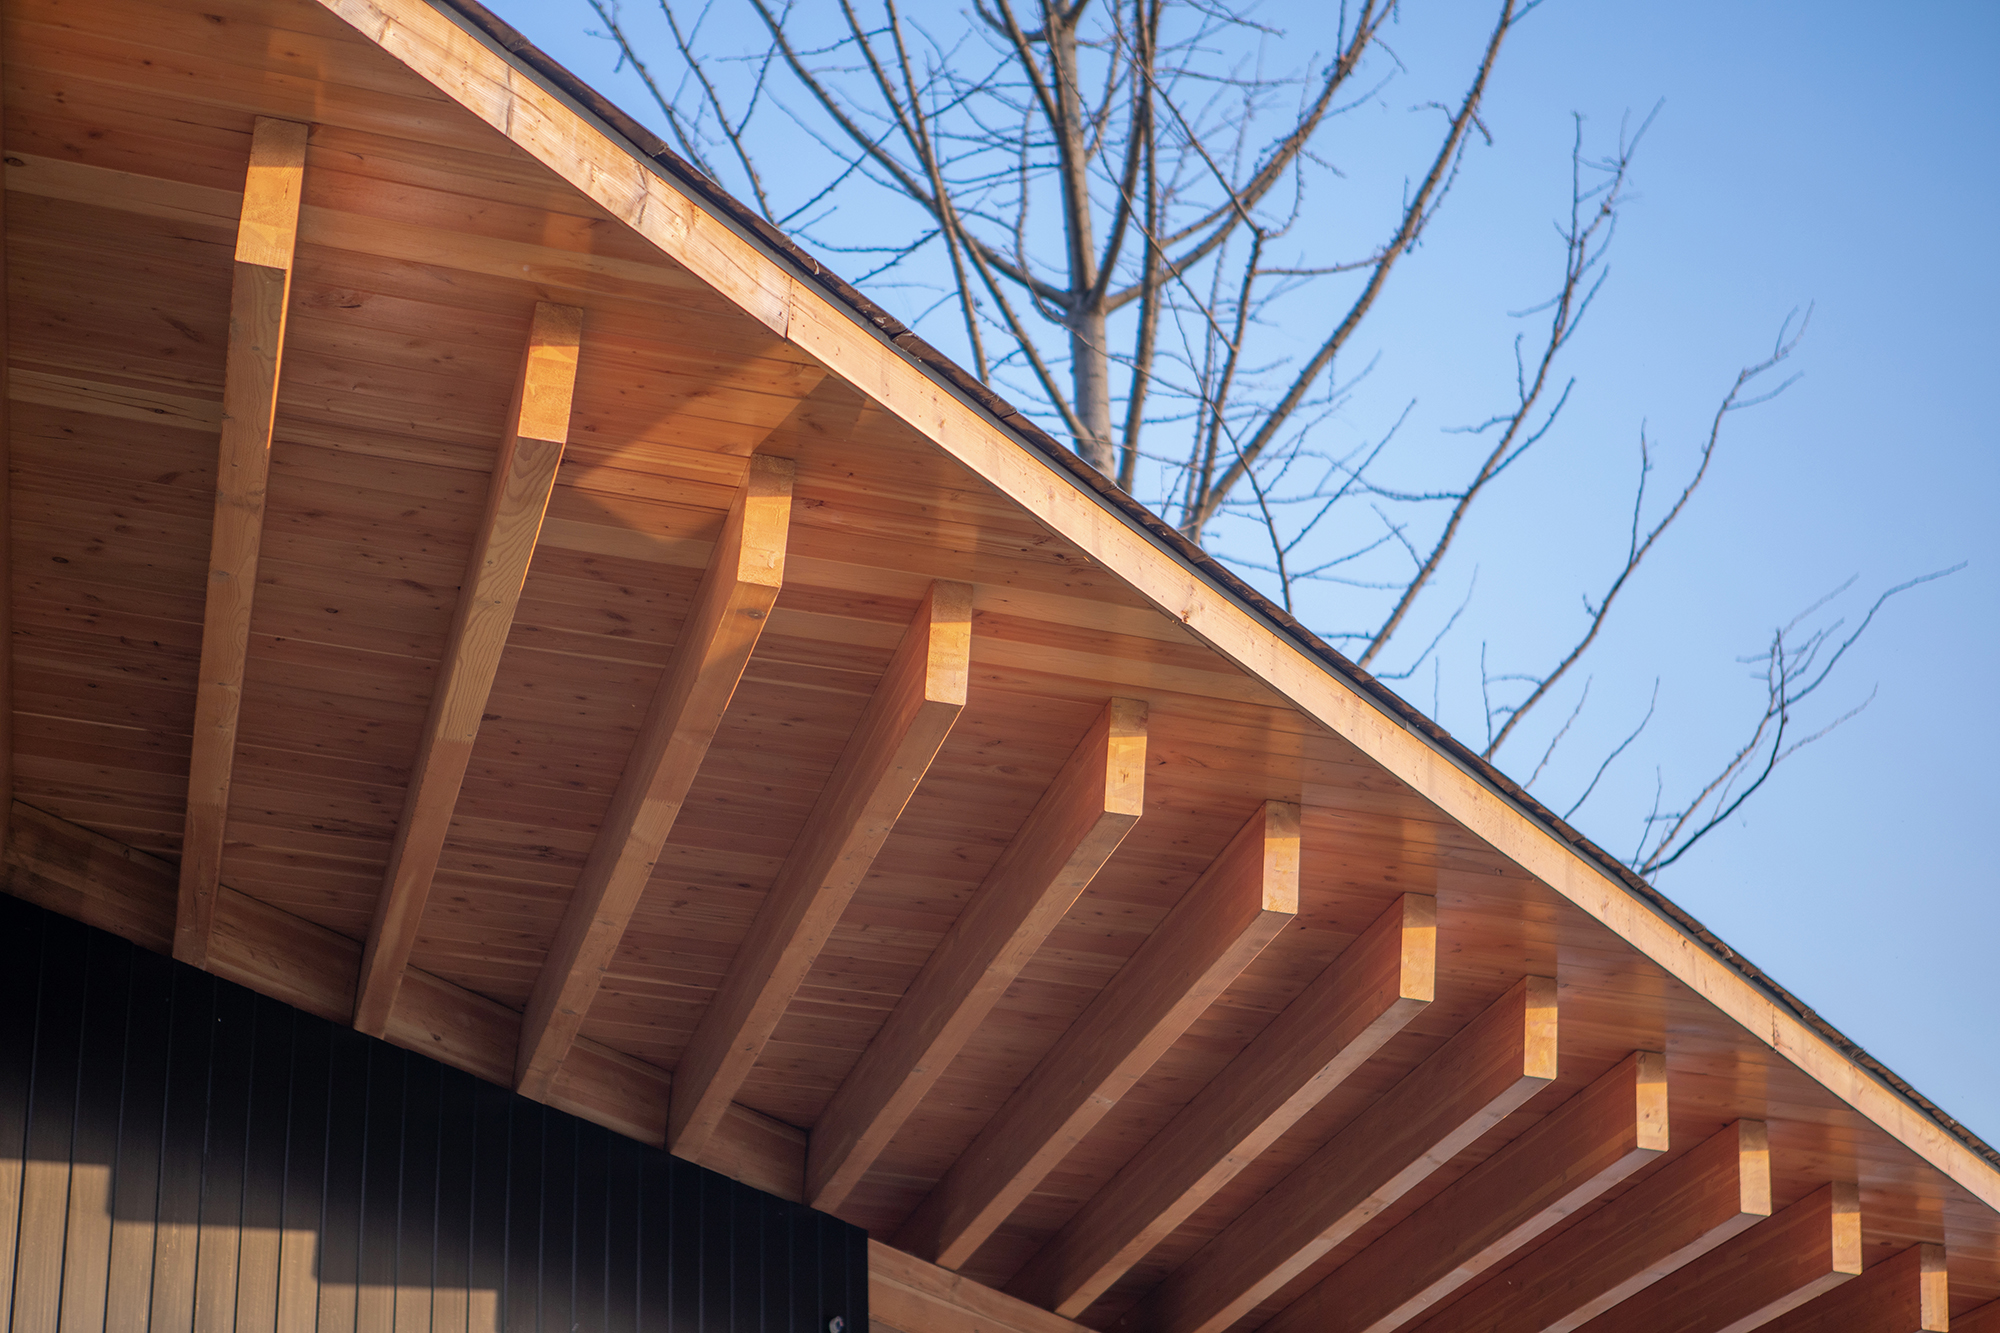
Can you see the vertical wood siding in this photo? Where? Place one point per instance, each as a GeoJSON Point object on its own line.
{"type": "Point", "coordinates": [178, 1153]}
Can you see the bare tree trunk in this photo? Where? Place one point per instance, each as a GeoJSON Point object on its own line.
{"type": "Point", "coordinates": [1090, 365]}
{"type": "Point", "coordinates": [1090, 378]}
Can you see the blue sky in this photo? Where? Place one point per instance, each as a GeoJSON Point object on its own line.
{"type": "Point", "coordinates": [1804, 154]}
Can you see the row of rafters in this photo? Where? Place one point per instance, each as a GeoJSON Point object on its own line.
{"type": "Point", "coordinates": [1694, 1247]}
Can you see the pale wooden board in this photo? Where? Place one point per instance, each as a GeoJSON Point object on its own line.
{"type": "Point", "coordinates": [404, 336]}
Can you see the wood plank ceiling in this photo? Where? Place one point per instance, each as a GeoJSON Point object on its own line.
{"type": "Point", "coordinates": [439, 605]}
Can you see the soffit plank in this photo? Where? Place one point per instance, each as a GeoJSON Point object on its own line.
{"type": "Point", "coordinates": [1773, 1268]}
{"type": "Point", "coordinates": [9, 1174]}
{"type": "Point", "coordinates": [1364, 997]}
{"type": "Point", "coordinates": [1707, 1196]}
{"type": "Point", "coordinates": [730, 611]}
{"type": "Point", "coordinates": [1985, 1319]}
{"type": "Point", "coordinates": [1245, 897]}
{"type": "Point", "coordinates": [260, 291]}
{"type": "Point", "coordinates": [892, 747]}
{"type": "Point", "coordinates": [1567, 1158]}
{"type": "Point", "coordinates": [524, 474]}
{"type": "Point", "coordinates": [1906, 1293]}
{"type": "Point", "coordinates": [615, 177]}
{"type": "Point", "coordinates": [1484, 1073]}
{"type": "Point", "coordinates": [1072, 831]}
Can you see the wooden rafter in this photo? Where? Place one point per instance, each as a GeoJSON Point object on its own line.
{"type": "Point", "coordinates": [730, 611]}
{"type": "Point", "coordinates": [260, 291]}
{"type": "Point", "coordinates": [1364, 997]}
{"type": "Point", "coordinates": [524, 474]}
{"type": "Point", "coordinates": [1245, 897]}
{"type": "Point", "coordinates": [1486, 1071]}
{"type": "Point", "coordinates": [920, 696]}
{"type": "Point", "coordinates": [1072, 831]}
{"type": "Point", "coordinates": [910, 1296]}
{"type": "Point", "coordinates": [1985, 1319]}
{"type": "Point", "coordinates": [1775, 1267]}
{"type": "Point", "coordinates": [1563, 1161]}
{"type": "Point", "coordinates": [540, 120]}
{"type": "Point", "coordinates": [1905, 1293]}
{"type": "Point", "coordinates": [1701, 1199]}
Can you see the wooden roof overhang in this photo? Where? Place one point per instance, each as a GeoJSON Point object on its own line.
{"type": "Point", "coordinates": [469, 579]}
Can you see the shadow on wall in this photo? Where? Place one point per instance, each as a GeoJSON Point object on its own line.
{"type": "Point", "coordinates": [177, 1152]}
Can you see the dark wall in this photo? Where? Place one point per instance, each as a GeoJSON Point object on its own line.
{"type": "Point", "coordinates": [177, 1152]}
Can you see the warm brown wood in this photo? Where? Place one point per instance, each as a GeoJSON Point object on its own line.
{"type": "Point", "coordinates": [1245, 897]}
{"type": "Point", "coordinates": [90, 878]}
{"type": "Point", "coordinates": [9, 1175]}
{"type": "Point", "coordinates": [38, 1259]}
{"type": "Point", "coordinates": [1701, 1199]}
{"type": "Point", "coordinates": [892, 747]}
{"type": "Point", "coordinates": [524, 473]}
{"type": "Point", "coordinates": [539, 123]}
{"type": "Point", "coordinates": [260, 294]}
{"type": "Point", "coordinates": [432, 226]}
{"type": "Point", "coordinates": [1364, 997]}
{"type": "Point", "coordinates": [1086, 812]}
{"type": "Point", "coordinates": [1984, 1319]}
{"type": "Point", "coordinates": [908, 1295]}
{"type": "Point", "coordinates": [1493, 1065]}
{"type": "Point", "coordinates": [730, 611]}
{"type": "Point", "coordinates": [1566, 1159]}
{"type": "Point", "coordinates": [1775, 1267]}
{"type": "Point", "coordinates": [10, 1163]}
{"type": "Point", "coordinates": [1905, 1293]}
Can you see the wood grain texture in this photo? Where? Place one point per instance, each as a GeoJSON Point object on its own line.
{"type": "Point", "coordinates": [1908, 1292]}
{"type": "Point", "coordinates": [1775, 1267]}
{"type": "Point", "coordinates": [730, 611]}
{"type": "Point", "coordinates": [908, 1295]}
{"type": "Point", "coordinates": [1363, 998]}
{"type": "Point", "coordinates": [1073, 830]}
{"type": "Point", "coordinates": [1984, 1319]}
{"type": "Point", "coordinates": [1707, 1196]}
{"type": "Point", "coordinates": [907, 719]}
{"type": "Point", "coordinates": [432, 225]}
{"type": "Point", "coordinates": [260, 295]}
{"type": "Point", "coordinates": [1245, 897]}
{"type": "Point", "coordinates": [1559, 1164]}
{"type": "Point", "coordinates": [524, 474]}
{"type": "Point", "coordinates": [91, 878]}
{"type": "Point", "coordinates": [9, 1182]}
{"type": "Point", "coordinates": [1482, 1074]}
{"type": "Point", "coordinates": [542, 125]}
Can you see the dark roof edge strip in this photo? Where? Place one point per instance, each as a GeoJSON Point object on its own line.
{"type": "Point", "coordinates": [531, 60]}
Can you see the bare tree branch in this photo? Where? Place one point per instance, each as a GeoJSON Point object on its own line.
{"type": "Point", "coordinates": [1641, 546]}
{"type": "Point", "coordinates": [1415, 216]}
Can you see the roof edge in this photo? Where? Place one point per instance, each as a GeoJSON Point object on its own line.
{"type": "Point", "coordinates": [962, 384]}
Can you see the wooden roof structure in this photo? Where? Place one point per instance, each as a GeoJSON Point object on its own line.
{"type": "Point", "coordinates": [471, 579]}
